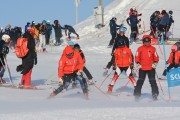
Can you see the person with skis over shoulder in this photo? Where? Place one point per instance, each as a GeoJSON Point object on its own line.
{"type": "Point", "coordinates": [58, 32]}
{"type": "Point", "coordinates": [133, 21]}
{"type": "Point", "coordinates": [4, 50]}
{"type": "Point", "coordinates": [70, 66]}
{"type": "Point", "coordinates": [173, 60]}
{"type": "Point", "coordinates": [68, 30]}
{"type": "Point", "coordinates": [85, 70]}
{"type": "Point", "coordinates": [28, 61]}
{"type": "Point", "coordinates": [163, 25]}
{"type": "Point", "coordinates": [120, 37]}
{"type": "Point", "coordinates": [171, 20]}
{"type": "Point", "coordinates": [113, 30]}
{"type": "Point", "coordinates": [146, 59]}
{"type": "Point", "coordinates": [122, 62]}
{"type": "Point", "coordinates": [154, 19]}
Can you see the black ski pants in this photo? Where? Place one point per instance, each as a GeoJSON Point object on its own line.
{"type": "Point", "coordinates": [88, 74]}
{"type": "Point", "coordinates": [141, 79]}
{"type": "Point", "coordinates": [113, 34]}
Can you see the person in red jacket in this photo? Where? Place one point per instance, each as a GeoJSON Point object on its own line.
{"type": "Point", "coordinates": [85, 70]}
{"type": "Point", "coordinates": [146, 59]}
{"type": "Point", "coordinates": [174, 59]}
{"type": "Point", "coordinates": [70, 66]}
{"type": "Point", "coordinates": [123, 60]}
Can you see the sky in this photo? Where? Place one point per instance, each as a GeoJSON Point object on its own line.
{"type": "Point", "coordinates": [19, 12]}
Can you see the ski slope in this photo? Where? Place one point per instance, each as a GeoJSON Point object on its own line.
{"type": "Point", "coordinates": [19, 104]}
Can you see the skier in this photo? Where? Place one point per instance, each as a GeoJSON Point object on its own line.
{"type": "Point", "coordinates": [70, 30]}
{"type": "Point", "coordinates": [146, 59]}
{"type": "Point", "coordinates": [171, 20]}
{"type": "Point", "coordinates": [120, 37]}
{"type": "Point", "coordinates": [70, 67]}
{"type": "Point", "coordinates": [163, 25]}
{"type": "Point", "coordinates": [4, 50]}
{"type": "Point", "coordinates": [174, 59]}
{"type": "Point", "coordinates": [28, 61]}
{"type": "Point", "coordinates": [133, 21]}
{"type": "Point", "coordinates": [154, 19]}
{"type": "Point", "coordinates": [48, 32]}
{"type": "Point", "coordinates": [85, 70]}
{"type": "Point", "coordinates": [58, 31]}
{"type": "Point", "coordinates": [113, 30]}
{"type": "Point", "coordinates": [123, 61]}
{"type": "Point", "coordinates": [27, 26]}
{"type": "Point", "coordinates": [42, 32]}
{"type": "Point", "coordinates": [7, 30]}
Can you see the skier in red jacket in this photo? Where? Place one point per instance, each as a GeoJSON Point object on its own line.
{"type": "Point", "coordinates": [146, 59]}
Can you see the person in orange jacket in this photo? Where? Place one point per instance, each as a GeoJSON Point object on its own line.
{"type": "Point", "coordinates": [174, 59]}
{"type": "Point", "coordinates": [123, 60]}
{"type": "Point", "coordinates": [85, 70]}
{"type": "Point", "coordinates": [70, 66]}
{"type": "Point", "coordinates": [146, 59]}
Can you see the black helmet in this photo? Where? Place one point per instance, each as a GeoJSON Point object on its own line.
{"type": "Point", "coordinates": [114, 18]}
{"type": "Point", "coordinates": [77, 46]}
{"type": "Point", "coordinates": [120, 43]}
{"type": "Point", "coordinates": [170, 12]}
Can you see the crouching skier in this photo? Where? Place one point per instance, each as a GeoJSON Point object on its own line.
{"type": "Point", "coordinates": [124, 61]}
{"type": "Point", "coordinates": [70, 66]}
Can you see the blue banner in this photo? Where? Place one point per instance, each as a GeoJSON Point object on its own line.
{"type": "Point", "coordinates": [173, 77]}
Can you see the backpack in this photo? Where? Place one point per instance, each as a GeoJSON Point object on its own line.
{"type": "Point", "coordinates": [21, 47]}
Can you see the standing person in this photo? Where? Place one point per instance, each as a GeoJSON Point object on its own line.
{"type": "Point", "coordinates": [171, 20]}
{"type": "Point", "coordinates": [146, 59]}
{"type": "Point", "coordinates": [123, 60]}
{"type": "Point", "coordinates": [85, 70]}
{"type": "Point", "coordinates": [27, 26]}
{"type": "Point", "coordinates": [8, 30]}
{"type": "Point", "coordinates": [120, 38]}
{"type": "Point", "coordinates": [42, 39]}
{"type": "Point", "coordinates": [48, 32]}
{"type": "Point", "coordinates": [1, 32]}
{"type": "Point", "coordinates": [174, 59]}
{"type": "Point", "coordinates": [28, 61]}
{"type": "Point", "coordinates": [70, 67]}
{"type": "Point", "coordinates": [154, 19]}
{"type": "Point", "coordinates": [70, 30]}
{"type": "Point", "coordinates": [113, 30]}
{"type": "Point", "coordinates": [133, 21]}
{"type": "Point", "coordinates": [4, 50]}
{"type": "Point", "coordinates": [58, 32]}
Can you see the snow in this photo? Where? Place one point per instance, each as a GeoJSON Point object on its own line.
{"type": "Point", "coordinates": [19, 104]}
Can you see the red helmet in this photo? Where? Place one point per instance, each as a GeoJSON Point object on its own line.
{"type": "Point", "coordinates": [146, 38]}
{"type": "Point", "coordinates": [174, 48]}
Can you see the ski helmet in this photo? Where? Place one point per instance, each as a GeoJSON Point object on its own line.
{"type": "Point", "coordinates": [77, 46]}
{"type": "Point", "coordinates": [174, 48]}
{"type": "Point", "coordinates": [146, 38]}
{"type": "Point", "coordinates": [114, 18]}
{"type": "Point", "coordinates": [170, 12]}
{"type": "Point", "coordinates": [48, 21]}
{"type": "Point", "coordinates": [122, 29]}
{"type": "Point", "coordinates": [6, 37]}
{"type": "Point", "coordinates": [71, 43]}
{"type": "Point", "coordinates": [121, 43]}
{"type": "Point", "coordinates": [44, 22]}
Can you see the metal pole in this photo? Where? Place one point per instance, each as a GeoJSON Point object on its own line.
{"type": "Point", "coordinates": [100, 2]}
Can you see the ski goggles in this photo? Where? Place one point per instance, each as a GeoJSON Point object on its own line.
{"type": "Point", "coordinates": [70, 54]}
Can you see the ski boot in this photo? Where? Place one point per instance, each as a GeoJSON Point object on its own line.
{"type": "Point", "coordinates": [2, 81]}
{"type": "Point", "coordinates": [110, 88]}
{"type": "Point", "coordinates": [90, 82]}
{"type": "Point", "coordinates": [154, 96]}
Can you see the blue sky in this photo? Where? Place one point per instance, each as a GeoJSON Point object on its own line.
{"type": "Point", "coordinates": [19, 12]}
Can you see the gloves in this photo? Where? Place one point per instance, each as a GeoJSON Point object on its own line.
{"type": "Point", "coordinates": [114, 67]}
{"type": "Point", "coordinates": [140, 14]}
{"type": "Point", "coordinates": [35, 61]}
{"type": "Point", "coordinates": [138, 65]}
{"type": "Point", "coordinates": [154, 65]}
{"type": "Point", "coordinates": [79, 72]}
{"type": "Point", "coordinates": [131, 66]}
{"type": "Point", "coordinates": [60, 81]}
{"type": "Point", "coordinates": [19, 68]}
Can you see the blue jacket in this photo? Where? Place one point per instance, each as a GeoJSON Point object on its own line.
{"type": "Point", "coordinates": [164, 20]}
{"type": "Point", "coordinates": [113, 26]}
{"type": "Point", "coordinates": [132, 20]}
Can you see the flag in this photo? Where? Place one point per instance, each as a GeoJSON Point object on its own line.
{"type": "Point", "coordinates": [173, 77]}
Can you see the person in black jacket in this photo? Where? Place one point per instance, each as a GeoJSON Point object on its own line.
{"type": "Point", "coordinates": [113, 30]}
{"type": "Point", "coordinates": [28, 61]}
{"type": "Point", "coordinates": [171, 20]}
{"type": "Point", "coordinates": [4, 50]}
{"type": "Point", "coordinates": [154, 19]}
{"type": "Point", "coordinates": [58, 31]}
{"type": "Point", "coordinates": [120, 37]}
{"type": "Point", "coordinates": [70, 30]}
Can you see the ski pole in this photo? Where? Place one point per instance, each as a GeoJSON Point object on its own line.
{"type": "Point", "coordinates": [105, 78]}
{"type": "Point", "coordinates": [173, 30]}
{"type": "Point", "coordinates": [159, 83]}
{"type": "Point", "coordinates": [101, 91]}
{"type": "Point", "coordinates": [122, 90]}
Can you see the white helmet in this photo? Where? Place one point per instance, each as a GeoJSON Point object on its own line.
{"type": "Point", "coordinates": [6, 37]}
{"type": "Point", "coordinates": [48, 21]}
